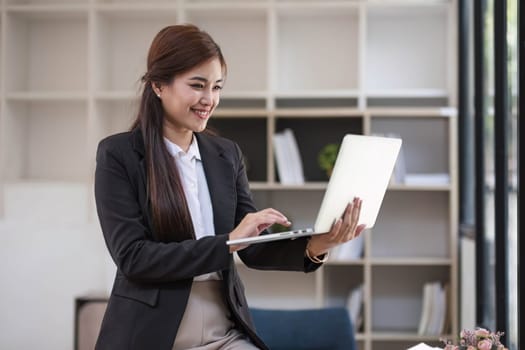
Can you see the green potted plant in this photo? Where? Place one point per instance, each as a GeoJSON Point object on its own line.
{"type": "Point", "coordinates": [327, 156]}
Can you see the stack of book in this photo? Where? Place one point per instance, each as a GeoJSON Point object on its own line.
{"type": "Point", "coordinates": [288, 159]}
{"type": "Point", "coordinates": [434, 314]}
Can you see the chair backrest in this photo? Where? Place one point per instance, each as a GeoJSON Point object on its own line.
{"type": "Point", "coordinates": [307, 329]}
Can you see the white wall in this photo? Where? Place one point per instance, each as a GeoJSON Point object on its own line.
{"type": "Point", "coordinates": [50, 253]}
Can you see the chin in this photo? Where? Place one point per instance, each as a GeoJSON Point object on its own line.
{"type": "Point", "coordinates": [201, 127]}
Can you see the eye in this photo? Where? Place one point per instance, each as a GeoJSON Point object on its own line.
{"type": "Point", "coordinates": [217, 87]}
{"type": "Point", "coordinates": [197, 86]}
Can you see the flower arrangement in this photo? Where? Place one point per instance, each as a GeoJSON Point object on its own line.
{"type": "Point", "coordinates": [478, 339]}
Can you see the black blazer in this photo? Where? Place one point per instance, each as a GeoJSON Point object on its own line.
{"type": "Point", "coordinates": [154, 279]}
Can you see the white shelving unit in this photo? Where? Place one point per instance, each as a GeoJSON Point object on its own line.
{"type": "Point", "coordinates": [70, 75]}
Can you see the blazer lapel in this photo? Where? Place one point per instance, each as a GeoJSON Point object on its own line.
{"type": "Point", "coordinates": [221, 183]}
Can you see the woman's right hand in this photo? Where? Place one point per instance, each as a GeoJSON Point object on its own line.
{"type": "Point", "coordinates": [255, 223]}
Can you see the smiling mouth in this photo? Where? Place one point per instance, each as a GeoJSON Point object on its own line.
{"type": "Point", "coordinates": [201, 113]}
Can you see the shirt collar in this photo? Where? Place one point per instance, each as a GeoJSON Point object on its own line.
{"type": "Point", "coordinates": [175, 150]}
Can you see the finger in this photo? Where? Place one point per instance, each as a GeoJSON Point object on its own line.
{"type": "Point", "coordinates": [356, 211]}
{"type": "Point", "coordinates": [274, 212]}
{"type": "Point", "coordinates": [335, 230]}
{"type": "Point", "coordinates": [349, 224]}
{"type": "Point", "coordinates": [271, 218]}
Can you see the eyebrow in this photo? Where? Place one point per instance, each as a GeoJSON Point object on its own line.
{"type": "Point", "coordinates": [204, 80]}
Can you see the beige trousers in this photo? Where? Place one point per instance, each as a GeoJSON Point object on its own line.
{"type": "Point", "coordinates": [206, 324]}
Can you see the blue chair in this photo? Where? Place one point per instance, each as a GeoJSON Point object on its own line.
{"type": "Point", "coordinates": [310, 329]}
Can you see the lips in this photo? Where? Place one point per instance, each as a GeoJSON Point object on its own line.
{"type": "Point", "coordinates": [201, 113]}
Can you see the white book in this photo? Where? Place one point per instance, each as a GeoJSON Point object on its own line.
{"type": "Point", "coordinates": [295, 157]}
{"type": "Point", "coordinates": [432, 179]}
{"type": "Point", "coordinates": [354, 305]}
{"type": "Point", "coordinates": [426, 309]}
{"type": "Point", "coordinates": [282, 159]}
{"type": "Point", "coordinates": [437, 315]}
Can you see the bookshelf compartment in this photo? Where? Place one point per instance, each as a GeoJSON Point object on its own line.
{"type": "Point", "coordinates": [412, 219]}
{"type": "Point", "coordinates": [312, 134]}
{"type": "Point", "coordinates": [312, 65]}
{"type": "Point", "coordinates": [315, 102]}
{"type": "Point", "coordinates": [251, 139]}
{"type": "Point", "coordinates": [397, 297]}
{"type": "Point", "coordinates": [246, 55]}
{"type": "Point", "coordinates": [38, 64]}
{"type": "Point", "coordinates": [398, 36]}
{"type": "Point", "coordinates": [121, 62]}
{"type": "Point", "coordinates": [426, 143]}
{"type": "Point", "coordinates": [276, 290]}
{"type": "Point", "coordinates": [47, 141]}
{"type": "Point", "coordinates": [339, 281]}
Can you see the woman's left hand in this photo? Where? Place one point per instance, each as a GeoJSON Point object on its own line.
{"type": "Point", "coordinates": [343, 230]}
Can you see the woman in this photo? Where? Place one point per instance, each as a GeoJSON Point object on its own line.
{"type": "Point", "coordinates": [170, 195]}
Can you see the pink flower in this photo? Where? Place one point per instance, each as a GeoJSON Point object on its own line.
{"type": "Point", "coordinates": [485, 344]}
{"type": "Point", "coordinates": [482, 332]}
{"type": "Point", "coordinates": [470, 347]}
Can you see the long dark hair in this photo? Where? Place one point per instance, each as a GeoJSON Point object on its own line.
{"type": "Point", "coordinates": [174, 50]}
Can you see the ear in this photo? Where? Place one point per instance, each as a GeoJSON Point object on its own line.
{"type": "Point", "coordinates": [157, 88]}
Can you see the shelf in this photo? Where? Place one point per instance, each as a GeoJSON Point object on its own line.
{"type": "Point", "coordinates": [410, 261]}
{"type": "Point", "coordinates": [38, 64]}
{"type": "Point", "coordinates": [239, 112]}
{"type": "Point", "coordinates": [400, 336]}
{"type": "Point", "coordinates": [319, 112]}
{"type": "Point", "coordinates": [356, 262]}
{"type": "Point", "coordinates": [421, 112]}
{"type": "Point", "coordinates": [135, 6]}
{"type": "Point", "coordinates": [234, 5]}
{"type": "Point", "coordinates": [308, 186]}
{"type": "Point", "coordinates": [122, 95]}
{"type": "Point", "coordinates": [51, 96]}
{"type": "Point", "coordinates": [420, 188]}
{"type": "Point", "coordinates": [34, 6]}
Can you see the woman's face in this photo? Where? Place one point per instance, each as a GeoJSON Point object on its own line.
{"type": "Point", "coordinates": [191, 98]}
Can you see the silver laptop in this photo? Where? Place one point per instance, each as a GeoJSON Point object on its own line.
{"type": "Point", "coordinates": [362, 169]}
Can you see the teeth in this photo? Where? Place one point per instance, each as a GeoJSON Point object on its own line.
{"type": "Point", "coordinates": [201, 113]}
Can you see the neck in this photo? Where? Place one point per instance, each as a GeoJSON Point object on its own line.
{"type": "Point", "coordinates": [180, 138]}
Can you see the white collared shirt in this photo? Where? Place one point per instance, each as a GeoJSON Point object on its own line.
{"type": "Point", "coordinates": [191, 171]}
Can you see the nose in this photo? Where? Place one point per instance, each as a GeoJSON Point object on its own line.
{"type": "Point", "coordinates": [206, 98]}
